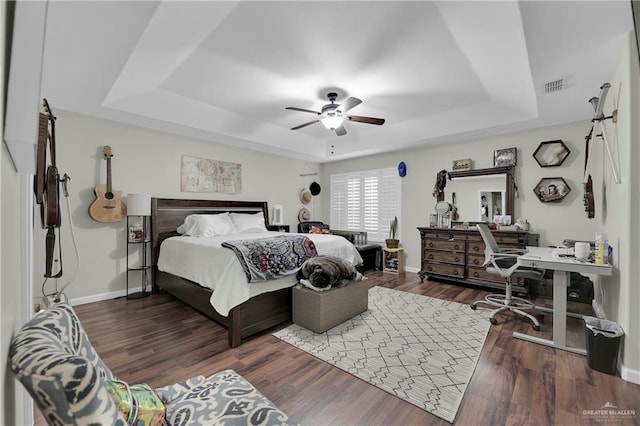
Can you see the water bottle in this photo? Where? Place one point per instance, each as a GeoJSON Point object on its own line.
{"type": "Point", "coordinates": [601, 248]}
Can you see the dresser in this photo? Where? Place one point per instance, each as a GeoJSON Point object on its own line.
{"type": "Point", "coordinates": [457, 255]}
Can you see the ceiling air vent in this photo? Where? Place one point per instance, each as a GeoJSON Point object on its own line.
{"type": "Point", "coordinates": [553, 86]}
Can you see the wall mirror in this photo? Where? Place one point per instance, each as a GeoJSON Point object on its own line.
{"type": "Point", "coordinates": [482, 193]}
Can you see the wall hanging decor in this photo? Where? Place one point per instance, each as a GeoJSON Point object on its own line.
{"type": "Point", "coordinates": [402, 169]}
{"type": "Point", "coordinates": [461, 165]}
{"type": "Point", "coordinates": [505, 157]}
{"type": "Point", "coordinates": [551, 189]}
{"type": "Point", "coordinates": [202, 175]}
{"type": "Point", "coordinates": [551, 153]}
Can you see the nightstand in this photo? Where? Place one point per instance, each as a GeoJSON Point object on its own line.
{"type": "Point", "coordinates": [279, 228]}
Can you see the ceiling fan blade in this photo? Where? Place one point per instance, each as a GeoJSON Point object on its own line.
{"type": "Point", "coordinates": [368, 120]}
{"type": "Point", "coordinates": [348, 104]}
{"type": "Point", "coordinates": [305, 124]}
{"type": "Point", "coordinates": [303, 110]}
{"type": "Point", "coordinates": [340, 131]}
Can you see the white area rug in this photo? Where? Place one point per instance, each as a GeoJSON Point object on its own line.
{"type": "Point", "coordinates": [418, 348]}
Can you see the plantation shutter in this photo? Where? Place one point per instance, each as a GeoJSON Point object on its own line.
{"type": "Point", "coordinates": [366, 201]}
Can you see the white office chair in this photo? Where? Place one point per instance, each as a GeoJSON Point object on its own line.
{"type": "Point", "coordinates": [504, 262]}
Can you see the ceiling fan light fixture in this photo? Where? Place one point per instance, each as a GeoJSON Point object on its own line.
{"type": "Point", "coordinates": [332, 122]}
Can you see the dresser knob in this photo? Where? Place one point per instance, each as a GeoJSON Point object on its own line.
{"type": "Point", "coordinates": [429, 268]}
{"type": "Point", "coordinates": [430, 256]}
{"type": "Point", "coordinates": [457, 247]}
{"type": "Point", "coordinates": [431, 245]}
{"type": "Point", "coordinates": [455, 272]}
{"type": "Point", "coordinates": [475, 274]}
{"type": "Point", "coordinates": [475, 248]}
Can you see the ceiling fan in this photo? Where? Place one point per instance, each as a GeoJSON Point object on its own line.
{"type": "Point", "coordinates": [333, 115]}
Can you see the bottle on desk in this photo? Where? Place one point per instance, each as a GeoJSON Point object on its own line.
{"type": "Point", "coordinates": [602, 249]}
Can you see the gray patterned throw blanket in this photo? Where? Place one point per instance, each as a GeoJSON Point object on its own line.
{"type": "Point", "coordinates": [271, 258]}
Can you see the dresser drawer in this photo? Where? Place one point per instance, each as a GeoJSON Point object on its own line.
{"type": "Point", "coordinates": [481, 274]}
{"type": "Point", "coordinates": [475, 259]}
{"type": "Point", "coordinates": [440, 234]}
{"type": "Point", "coordinates": [444, 256]}
{"type": "Point", "coordinates": [443, 269]}
{"type": "Point", "coordinates": [449, 245]}
{"type": "Point", "coordinates": [509, 240]}
{"type": "Point", "coordinates": [477, 247]}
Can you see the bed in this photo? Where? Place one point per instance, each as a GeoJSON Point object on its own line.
{"type": "Point", "coordinates": [244, 315]}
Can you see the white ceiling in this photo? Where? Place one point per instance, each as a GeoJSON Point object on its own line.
{"type": "Point", "coordinates": [436, 71]}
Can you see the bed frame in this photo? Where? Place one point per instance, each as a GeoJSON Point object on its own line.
{"type": "Point", "coordinates": [251, 317]}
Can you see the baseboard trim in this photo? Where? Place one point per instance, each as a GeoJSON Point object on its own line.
{"type": "Point", "coordinates": [630, 375]}
{"type": "Point", "coordinates": [102, 296]}
{"type": "Point", "coordinates": [411, 269]}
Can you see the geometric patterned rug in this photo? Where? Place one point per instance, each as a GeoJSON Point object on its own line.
{"type": "Point", "coordinates": [418, 348]}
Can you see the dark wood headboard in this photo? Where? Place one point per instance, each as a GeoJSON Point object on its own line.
{"type": "Point", "coordinates": [168, 213]}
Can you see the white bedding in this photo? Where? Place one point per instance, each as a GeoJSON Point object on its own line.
{"type": "Point", "coordinates": [204, 261]}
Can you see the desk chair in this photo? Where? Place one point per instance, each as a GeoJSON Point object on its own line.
{"type": "Point", "coordinates": [504, 262]}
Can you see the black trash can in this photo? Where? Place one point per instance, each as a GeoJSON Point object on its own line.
{"type": "Point", "coordinates": [603, 338]}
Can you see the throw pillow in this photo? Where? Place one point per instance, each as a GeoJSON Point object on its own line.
{"type": "Point", "coordinates": [207, 225]}
{"type": "Point", "coordinates": [139, 404]}
{"type": "Point", "coordinates": [246, 223]}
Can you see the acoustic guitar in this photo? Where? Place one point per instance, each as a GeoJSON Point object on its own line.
{"type": "Point", "coordinates": [46, 187]}
{"type": "Point", "coordinates": [108, 206]}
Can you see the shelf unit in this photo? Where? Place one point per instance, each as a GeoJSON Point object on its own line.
{"type": "Point", "coordinates": [138, 240]}
{"type": "Point", "coordinates": [393, 260]}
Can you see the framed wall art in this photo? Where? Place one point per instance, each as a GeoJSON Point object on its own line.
{"type": "Point", "coordinates": [204, 175]}
{"type": "Point", "coordinates": [461, 165]}
{"type": "Point", "coordinates": [505, 157]}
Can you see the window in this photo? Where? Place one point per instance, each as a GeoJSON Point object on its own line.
{"type": "Point", "coordinates": [366, 201]}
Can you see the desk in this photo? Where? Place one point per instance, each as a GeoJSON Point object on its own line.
{"type": "Point", "coordinates": [542, 258]}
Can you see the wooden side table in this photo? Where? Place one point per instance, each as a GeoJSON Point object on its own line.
{"type": "Point", "coordinates": [393, 260]}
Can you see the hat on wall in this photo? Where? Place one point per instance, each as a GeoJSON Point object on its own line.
{"type": "Point", "coordinates": [303, 215]}
{"type": "Point", "coordinates": [315, 188]}
{"type": "Point", "coordinates": [305, 196]}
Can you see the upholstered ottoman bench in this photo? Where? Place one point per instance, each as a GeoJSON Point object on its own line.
{"type": "Point", "coordinates": [321, 310]}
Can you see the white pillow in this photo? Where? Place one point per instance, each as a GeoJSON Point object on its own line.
{"type": "Point", "coordinates": [207, 225]}
{"type": "Point", "coordinates": [248, 222]}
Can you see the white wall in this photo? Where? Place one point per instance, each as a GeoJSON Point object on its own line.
{"type": "Point", "coordinates": [553, 221]}
{"type": "Point", "coordinates": [144, 161]}
{"type": "Point", "coordinates": [12, 409]}
{"type": "Point", "coordinates": [618, 205]}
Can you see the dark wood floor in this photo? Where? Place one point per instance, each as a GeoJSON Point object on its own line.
{"type": "Point", "coordinates": [160, 341]}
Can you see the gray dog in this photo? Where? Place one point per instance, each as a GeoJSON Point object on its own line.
{"type": "Point", "coordinates": [324, 272]}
